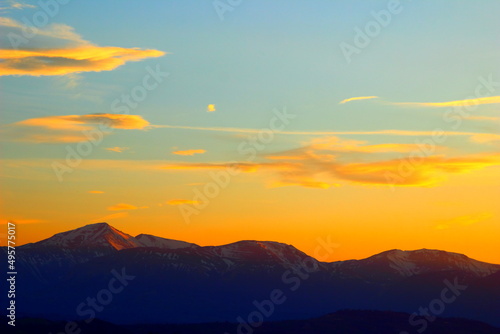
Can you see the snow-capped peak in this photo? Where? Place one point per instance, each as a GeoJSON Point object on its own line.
{"type": "Point", "coordinates": [408, 263]}
{"type": "Point", "coordinates": [90, 236]}
{"type": "Point", "coordinates": [148, 240]}
{"type": "Point", "coordinates": [251, 250]}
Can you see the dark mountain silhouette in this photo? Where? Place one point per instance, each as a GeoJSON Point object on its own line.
{"type": "Point", "coordinates": [179, 282]}
{"type": "Point", "coordinates": [341, 322]}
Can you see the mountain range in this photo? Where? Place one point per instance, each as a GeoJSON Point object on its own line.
{"type": "Point", "coordinates": [158, 280]}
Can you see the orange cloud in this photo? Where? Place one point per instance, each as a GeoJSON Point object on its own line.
{"type": "Point", "coordinates": [181, 202]}
{"type": "Point", "coordinates": [358, 98]}
{"type": "Point", "coordinates": [485, 138]}
{"type": "Point", "coordinates": [245, 167]}
{"type": "Point", "coordinates": [341, 145]}
{"type": "Point", "coordinates": [389, 132]}
{"type": "Point", "coordinates": [117, 121]}
{"type": "Point", "coordinates": [189, 152]}
{"type": "Point", "coordinates": [424, 171]}
{"type": "Point", "coordinates": [69, 54]}
{"type": "Point", "coordinates": [95, 192]}
{"type": "Point", "coordinates": [110, 217]}
{"type": "Point", "coordinates": [67, 61]}
{"type": "Point", "coordinates": [457, 103]}
{"type": "Point", "coordinates": [304, 182]}
{"type": "Point", "coordinates": [116, 149]}
{"type": "Point", "coordinates": [11, 4]}
{"type": "Point", "coordinates": [122, 206]}
{"type": "Point", "coordinates": [70, 128]}
{"type": "Point", "coordinates": [465, 220]}
{"type": "Point", "coordinates": [309, 166]}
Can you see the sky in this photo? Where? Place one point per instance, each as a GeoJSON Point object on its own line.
{"type": "Point", "coordinates": [373, 125]}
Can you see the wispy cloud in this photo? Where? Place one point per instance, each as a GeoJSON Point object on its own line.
{"type": "Point", "coordinates": [303, 182]}
{"type": "Point", "coordinates": [325, 162]}
{"type": "Point", "coordinates": [189, 152]}
{"type": "Point", "coordinates": [11, 4]}
{"type": "Point", "coordinates": [117, 149]}
{"type": "Point", "coordinates": [110, 217]}
{"type": "Point", "coordinates": [79, 122]}
{"type": "Point", "coordinates": [122, 206]}
{"type": "Point", "coordinates": [181, 202]}
{"type": "Point", "coordinates": [69, 128]}
{"type": "Point", "coordinates": [313, 168]}
{"type": "Point", "coordinates": [465, 220]}
{"type": "Point", "coordinates": [245, 167]}
{"type": "Point", "coordinates": [457, 103]}
{"type": "Point", "coordinates": [430, 171]}
{"type": "Point", "coordinates": [485, 138]}
{"type": "Point", "coordinates": [388, 132]}
{"type": "Point", "coordinates": [336, 144]}
{"type": "Point", "coordinates": [483, 118]}
{"type": "Point", "coordinates": [358, 98]}
{"type": "Point", "coordinates": [63, 52]}
{"type": "Point", "coordinates": [95, 192]}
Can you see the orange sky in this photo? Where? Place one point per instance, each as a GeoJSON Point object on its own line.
{"type": "Point", "coordinates": [170, 121]}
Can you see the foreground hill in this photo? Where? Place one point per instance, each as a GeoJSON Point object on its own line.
{"type": "Point", "coordinates": [341, 322]}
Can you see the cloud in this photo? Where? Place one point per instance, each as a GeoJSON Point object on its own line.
{"type": "Point", "coordinates": [336, 144]}
{"type": "Point", "coordinates": [389, 132]}
{"type": "Point", "coordinates": [211, 108]}
{"type": "Point", "coordinates": [95, 192]}
{"type": "Point", "coordinates": [111, 216]}
{"type": "Point", "coordinates": [457, 103]}
{"type": "Point", "coordinates": [320, 163]}
{"type": "Point", "coordinates": [69, 81]}
{"type": "Point", "coordinates": [122, 206]}
{"type": "Point", "coordinates": [485, 138]}
{"type": "Point", "coordinates": [117, 149]}
{"type": "Point", "coordinates": [15, 5]}
{"type": "Point", "coordinates": [80, 122]}
{"type": "Point", "coordinates": [358, 98]}
{"type": "Point", "coordinates": [465, 220]}
{"type": "Point", "coordinates": [181, 202]}
{"type": "Point", "coordinates": [483, 118]}
{"type": "Point", "coordinates": [324, 162]}
{"type": "Point", "coordinates": [54, 34]}
{"type": "Point", "coordinates": [69, 128]}
{"type": "Point", "coordinates": [304, 182]}
{"type": "Point", "coordinates": [189, 152]}
{"type": "Point", "coordinates": [330, 148]}
{"type": "Point", "coordinates": [245, 167]}
{"type": "Point", "coordinates": [428, 171]}
{"type": "Point", "coordinates": [58, 50]}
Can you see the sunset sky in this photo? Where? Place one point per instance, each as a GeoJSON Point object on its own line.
{"type": "Point", "coordinates": [374, 124]}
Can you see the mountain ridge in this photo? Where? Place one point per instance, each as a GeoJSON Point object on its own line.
{"type": "Point", "coordinates": [223, 280]}
{"type": "Point", "coordinates": [114, 238]}
{"type": "Point", "coordinates": [406, 262]}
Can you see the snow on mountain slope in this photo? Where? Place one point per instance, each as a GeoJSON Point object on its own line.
{"type": "Point", "coordinates": [389, 265]}
{"type": "Point", "coordinates": [92, 236]}
{"type": "Point", "coordinates": [429, 260]}
{"type": "Point", "coordinates": [397, 263]}
{"type": "Point", "coordinates": [148, 240]}
{"type": "Point", "coordinates": [260, 251]}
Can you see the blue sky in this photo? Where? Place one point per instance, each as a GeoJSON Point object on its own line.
{"type": "Point", "coordinates": [263, 56]}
